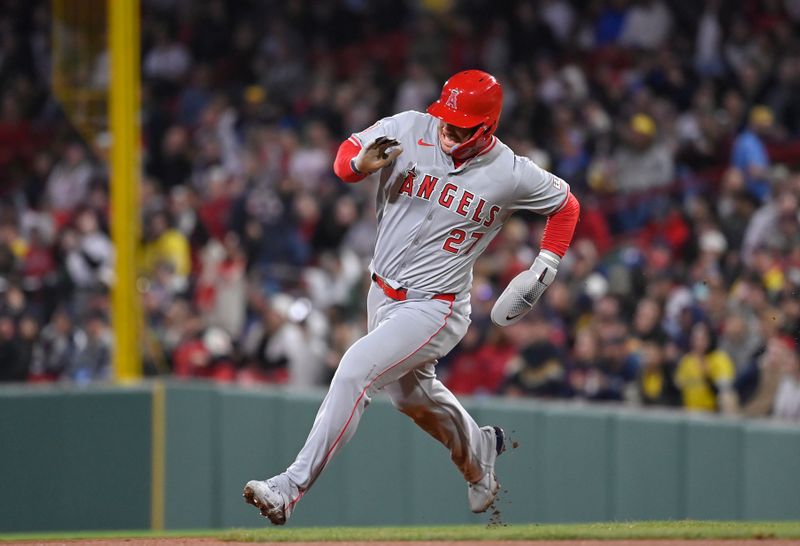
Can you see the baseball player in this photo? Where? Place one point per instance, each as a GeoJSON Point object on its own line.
{"type": "Point", "coordinates": [446, 184]}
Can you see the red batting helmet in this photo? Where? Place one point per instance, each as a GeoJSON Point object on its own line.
{"type": "Point", "coordinates": [471, 98]}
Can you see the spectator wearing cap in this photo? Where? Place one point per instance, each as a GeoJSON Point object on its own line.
{"type": "Point", "coordinates": [749, 154]}
{"type": "Point", "coordinates": [705, 375]}
{"type": "Point", "coordinates": [617, 364]}
{"type": "Point", "coordinates": [642, 164]}
{"type": "Point", "coordinates": [237, 133]}
{"type": "Point", "coordinates": [538, 370]}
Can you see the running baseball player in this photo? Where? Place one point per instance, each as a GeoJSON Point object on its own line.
{"type": "Point", "coordinates": [446, 184]}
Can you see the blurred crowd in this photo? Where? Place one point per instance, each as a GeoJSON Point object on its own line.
{"type": "Point", "coordinates": [676, 124]}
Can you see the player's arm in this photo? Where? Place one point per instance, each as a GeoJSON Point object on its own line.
{"type": "Point", "coordinates": [372, 149]}
{"type": "Point", "coordinates": [354, 162]}
{"type": "Point", "coordinates": [525, 289]}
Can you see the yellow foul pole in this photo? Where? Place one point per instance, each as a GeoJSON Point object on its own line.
{"type": "Point", "coordinates": [123, 32]}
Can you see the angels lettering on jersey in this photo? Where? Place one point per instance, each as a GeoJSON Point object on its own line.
{"type": "Point", "coordinates": [450, 196]}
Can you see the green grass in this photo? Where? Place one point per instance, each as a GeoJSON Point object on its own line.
{"type": "Point", "coordinates": [585, 531]}
{"type": "Point", "coordinates": [602, 531]}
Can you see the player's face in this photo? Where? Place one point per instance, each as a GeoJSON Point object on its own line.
{"type": "Point", "coordinates": [450, 136]}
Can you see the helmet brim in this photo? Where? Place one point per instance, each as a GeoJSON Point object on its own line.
{"type": "Point", "coordinates": [453, 117]}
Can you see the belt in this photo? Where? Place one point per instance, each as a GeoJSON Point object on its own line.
{"type": "Point", "coordinates": [401, 294]}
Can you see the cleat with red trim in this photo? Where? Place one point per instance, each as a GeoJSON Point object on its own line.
{"type": "Point", "coordinates": [270, 499]}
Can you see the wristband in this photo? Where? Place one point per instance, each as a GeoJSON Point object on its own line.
{"type": "Point", "coordinates": [354, 168]}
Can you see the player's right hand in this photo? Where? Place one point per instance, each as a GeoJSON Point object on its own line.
{"type": "Point", "coordinates": [376, 155]}
{"type": "Point", "coordinates": [525, 289]}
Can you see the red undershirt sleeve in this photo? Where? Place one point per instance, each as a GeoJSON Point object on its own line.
{"type": "Point", "coordinates": [561, 226]}
{"type": "Point", "coordinates": [341, 165]}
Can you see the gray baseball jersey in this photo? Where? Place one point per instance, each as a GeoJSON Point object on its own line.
{"type": "Point", "coordinates": [434, 219]}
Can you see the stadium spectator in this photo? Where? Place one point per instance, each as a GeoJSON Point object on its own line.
{"type": "Point", "coordinates": [479, 365]}
{"type": "Point", "coordinates": [705, 374]}
{"type": "Point", "coordinates": [642, 164]}
{"type": "Point", "coordinates": [787, 397]}
{"type": "Point", "coordinates": [539, 368]}
{"type": "Point", "coordinates": [749, 153]}
{"type": "Point", "coordinates": [684, 158]}
{"type": "Point", "coordinates": [13, 366]}
{"type": "Point", "coordinates": [92, 360]}
{"type": "Point", "coordinates": [168, 60]}
{"type": "Point", "coordinates": [655, 382]}
{"type": "Point", "coordinates": [647, 25]}
{"type": "Point", "coordinates": [776, 382]}
{"type": "Point", "coordinates": [166, 245]}
{"type": "Point", "coordinates": [68, 183]}
{"type": "Point", "coordinates": [55, 349]}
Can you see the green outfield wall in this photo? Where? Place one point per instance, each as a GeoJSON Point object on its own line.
{"type": "Point", "coordinates": [92, 458]}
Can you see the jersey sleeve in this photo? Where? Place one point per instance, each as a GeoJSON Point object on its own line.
{"type": "Point", "coordinates": [387, 127]}
{"type": "Point", "coordinates": [536, 189]}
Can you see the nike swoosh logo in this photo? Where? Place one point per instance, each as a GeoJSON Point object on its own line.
{"type": "Point", "coordinates": [421, 143]}
{"type": "Point", "coordinates": [515, 316]}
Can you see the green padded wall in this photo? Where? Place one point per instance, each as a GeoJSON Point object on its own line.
{"type": "Point", "coordinates": [249, 446]}
{"type": "Point", "coordinates": [74, 459]}
{"type": "Point", "coordinates": [90, 450]}
{"type": "Point", "coordinates": [771, 465]}
{"type": "Point", "coordinates": [297, 416]}
{"type": "Point", "coordinates": [377, 464]}
{"type": "Point", "coordinates": [648, 467]}
{"type": "Point", "coordinates": [519, 470]}
{"type": "Point", "coordinates": [577, 453]}
{"type": "Point", "coordinates": [713, 469]}
{"type": "Point", "coordinates": [191, 488]}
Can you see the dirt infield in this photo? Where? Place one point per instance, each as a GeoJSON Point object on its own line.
{"type": "Point", "coordinates": [216, 542]}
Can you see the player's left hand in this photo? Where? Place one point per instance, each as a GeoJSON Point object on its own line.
{"type": "Point", "coordinates": [525, 289]}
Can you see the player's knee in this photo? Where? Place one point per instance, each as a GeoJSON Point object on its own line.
{"type": "Point", "coordinates": [418, 413]}
{"type": "Point", "coordinates": [350, 376]}
{"type": "Point", "coordinates": [407, 401]}
{"type": "Point", "coordinates": [399, 403]}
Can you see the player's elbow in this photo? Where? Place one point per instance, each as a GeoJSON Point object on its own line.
{"type": "Point", "coordinates": [570, 209]}
{"type": "Point", "coordinates": [560, 227]}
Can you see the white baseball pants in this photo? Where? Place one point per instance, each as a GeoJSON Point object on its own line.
{"type": "Point", "coordinates": [398, 355]}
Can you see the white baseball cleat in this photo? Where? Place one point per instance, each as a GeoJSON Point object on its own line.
{"type": "Point", "coordinates": [482, 493]}
{"type": "Point", "coordinates": [270, 499]}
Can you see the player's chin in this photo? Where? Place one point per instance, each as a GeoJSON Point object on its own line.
{"type": "Point", "coordinates": [447, 144]}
